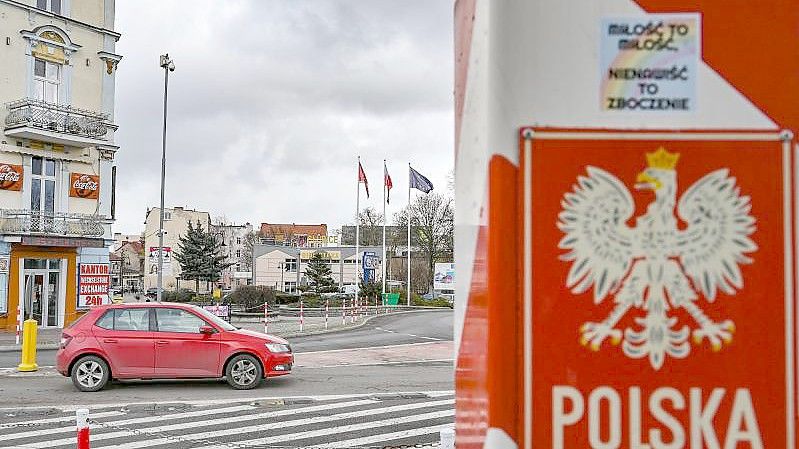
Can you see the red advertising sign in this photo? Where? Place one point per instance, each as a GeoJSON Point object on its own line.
{"type": "Point", "coordinates": [84, 186]}
{"type": "Point", "coordinates": [658, 289]}
{"type": "Point", "coordinates": [94, 284]}
{"type": "Point", "coordinates": [10, 177]}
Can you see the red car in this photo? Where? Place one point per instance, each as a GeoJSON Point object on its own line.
{"type": "Point", "coordinates": [166, 341]}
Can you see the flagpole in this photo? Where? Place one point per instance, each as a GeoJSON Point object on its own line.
{"type": "Point", "coordinates": [409, 234]}
{"type": "Point", "coordinates": [357, 230]}
{"type": "Point", "coordinates": [383, 263]}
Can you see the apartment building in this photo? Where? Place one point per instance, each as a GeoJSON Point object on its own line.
{"type": "Point", "coordinates": [56, 156]}
{"type": "Point", "coordinates": [236, 244]}
{"type": "Point", "coordinates": [176, 224]}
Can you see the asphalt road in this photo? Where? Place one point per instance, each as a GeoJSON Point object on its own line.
{"type": "Point", "coordinates": [387, 382]}
{"type": "Point", "coordinates": [404, 328]}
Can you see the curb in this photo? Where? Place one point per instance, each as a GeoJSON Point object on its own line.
{"type": "Point", "coordinates": [52, 346]}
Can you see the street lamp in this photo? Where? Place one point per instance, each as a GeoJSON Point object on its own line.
{"type": "Point", "coordinates": [169, 66]}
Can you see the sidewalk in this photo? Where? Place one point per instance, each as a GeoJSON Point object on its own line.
{"type": "Point", "coordinates": [282, 326]}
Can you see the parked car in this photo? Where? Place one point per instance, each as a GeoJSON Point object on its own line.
{"type": "Point", "coordinates": [166, 341]}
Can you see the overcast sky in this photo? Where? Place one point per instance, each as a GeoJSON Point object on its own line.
{"type": "Point", "coordinates": [273, 100]}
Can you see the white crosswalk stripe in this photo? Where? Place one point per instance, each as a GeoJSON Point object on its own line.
{"type": "Point", "coordinates": [338, 421]}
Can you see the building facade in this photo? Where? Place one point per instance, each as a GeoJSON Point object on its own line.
{"type": "Point", "coordinates": [283, 267]}
{"type": "Point", "coordinates": [237, 243]}
{"type": "Point", "coordinates": [129, 276]}
{"type": "Point", "coordinates": [176, 224]}
{"type": "Point", "coordinates": [294, 235]}
{"type": "Point", "coordinates": [56, 154]}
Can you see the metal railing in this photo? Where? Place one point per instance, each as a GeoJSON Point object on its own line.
{"type": "Point", "coordinates": [58, 118]}
{"type": "Point", "coordinates": [23, 221]}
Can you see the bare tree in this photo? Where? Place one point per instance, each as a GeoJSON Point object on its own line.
{"type": "Point", "coordinates": [432, 220]}
{"type": "Point", "coordinates": [371, 231]}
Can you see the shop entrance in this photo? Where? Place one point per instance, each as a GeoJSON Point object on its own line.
{"type": "Point", "coordinates": [41, 292]}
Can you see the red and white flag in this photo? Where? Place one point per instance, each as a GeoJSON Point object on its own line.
{"type": "Point", "coordinates": [362, 178]}
{"type": "Point", "coordinates": [387, 182]}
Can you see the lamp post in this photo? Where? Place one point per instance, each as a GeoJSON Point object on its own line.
{"type": "Point", "coordinates": [168, 66]}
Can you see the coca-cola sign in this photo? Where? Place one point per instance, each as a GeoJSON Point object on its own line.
{"type": "Point", "coordinates": [10, 177]}
{"type": "Point", "coordinates": [84, 186]}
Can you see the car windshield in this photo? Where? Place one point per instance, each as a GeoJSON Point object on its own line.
{"type": "Point", "coordinates": [219, 322]}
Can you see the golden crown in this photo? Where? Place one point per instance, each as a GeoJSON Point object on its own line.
{"type": "Point", "coordinates": [662, 159]}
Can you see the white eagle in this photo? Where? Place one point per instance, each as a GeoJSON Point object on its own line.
{"type": "Point", "coordinates": [655, 266]}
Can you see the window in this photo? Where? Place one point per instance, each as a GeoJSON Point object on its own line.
{"type": "Point", "coordinates": [125, 320]}
{"type": "Point", "coordinates": [167, 215]}
{"type": "Point", "coordinates": [238, 253]}
{"type": "Point", "coordinates": [53, 6]}
{"type": "Point", "coordinates": [290, 287]}
{"type": "Point", "coordinates": [238, 240]}
{"type": "Point", "coordinates": [46, 80]}
{"type": "Point", "coordinates": [43, 183]}
{"type": "Point", "coordinates": [178, 320]}
{"type": "Point", "coordinates": [238, 267]}
{"type": "Point", "coordinates": [290, 265]}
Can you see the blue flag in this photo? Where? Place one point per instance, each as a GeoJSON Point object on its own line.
{"type": "Point", "coordinates": [419, 181]}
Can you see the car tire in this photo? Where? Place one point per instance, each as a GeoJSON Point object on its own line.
{"type": "Point", "coordinates": [90, 373]}
{"type": "Point", "coordinates": [244, 372]}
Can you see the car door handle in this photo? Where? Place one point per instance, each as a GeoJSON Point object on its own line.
{"type": "Point", "coordinates": [161, 342]}
{"type": "Point", "coordinates": [110, 340]}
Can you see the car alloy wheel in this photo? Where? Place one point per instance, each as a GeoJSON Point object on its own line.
{"type": "Point", "coordinates": [90, 374]}
{"type": "Point", "coordinates": [244, 372]}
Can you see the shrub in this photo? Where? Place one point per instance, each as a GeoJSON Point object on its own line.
{"type": "Point", "coordinates": [251, 297]}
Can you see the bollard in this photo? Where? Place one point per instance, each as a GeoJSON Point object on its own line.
{"type": "Point", "coordinates": [19, 322]}
{"type": "Point", "coordinates": [327, 309]}
{"type": "Point", "coordinates": [82, 417]}
{"type": "Point", "coordinates": [302, 318]}
{"type": "Point", "coordinates": [344, 312]}
{"type": "Point", "coordinates": [28, 362]}
{"type": "Point", "coordinates": [266, 318]}
{"type": "Point", "coordinates": [447, 438]}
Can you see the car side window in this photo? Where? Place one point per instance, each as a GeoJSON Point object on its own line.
{"type": "Point", "coordinates": [178, 320]}
{"type": "Point", "coordinates": [125, 320]}
{"type": "Point", "coordinates": [106, 321]}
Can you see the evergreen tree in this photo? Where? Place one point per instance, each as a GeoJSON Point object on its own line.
{"type": "Point", "coordinates": [200, 256]}
{"type": "Point", "coordinates": [319, 276]}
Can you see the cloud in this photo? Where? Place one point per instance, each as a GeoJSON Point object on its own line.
{"type": "Point", "coordinates": [272, 101]}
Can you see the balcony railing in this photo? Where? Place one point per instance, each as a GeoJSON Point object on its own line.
{"type": "Point", "coordinates": [58, 118]}
{"type": "Point", "coordinates": [30, 222]}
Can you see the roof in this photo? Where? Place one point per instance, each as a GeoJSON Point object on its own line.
{"type": "Point", "coordinates": [138, 247]}
{"type": "Point", "coordinates": [267, 229]}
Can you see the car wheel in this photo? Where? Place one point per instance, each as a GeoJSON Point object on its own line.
{"type": "Point", "coordinates": [243, 372]}
{"type": "Point", "coordinates": [90, 373]}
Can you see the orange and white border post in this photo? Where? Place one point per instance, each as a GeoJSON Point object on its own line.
{"type": "Point", "coordinates": [82, 418]}
{"type": "Point", "coordinates": [344, 312]}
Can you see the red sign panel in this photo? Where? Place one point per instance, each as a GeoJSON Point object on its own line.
{"type": "Point", "coordinates": [94, 282]}
{"type": "Point", "coordinates": [658, 290]}
{"type": "Point", "coordinates": [84, 186]}
{"type": "Point", "coordinates": [11, 177]}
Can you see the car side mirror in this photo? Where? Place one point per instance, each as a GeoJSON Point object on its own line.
{"type": "Point", "coordinates": [207, 330]}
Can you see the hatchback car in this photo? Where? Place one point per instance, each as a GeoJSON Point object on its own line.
{"type": "Point", "coordinates": [166, 341]}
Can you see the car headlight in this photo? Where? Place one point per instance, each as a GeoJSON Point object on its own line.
{"type": "Point", "coordinates": [277, 347]}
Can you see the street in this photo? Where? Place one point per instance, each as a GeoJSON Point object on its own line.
{"type": "Point", "coordinates": [389, 381]}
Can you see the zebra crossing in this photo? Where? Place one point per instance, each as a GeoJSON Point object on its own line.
{"type": "Point", "coordinates": [354, 421]}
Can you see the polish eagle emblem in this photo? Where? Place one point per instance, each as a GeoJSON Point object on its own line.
{"type": "Point", "coordinates": [656, 266]}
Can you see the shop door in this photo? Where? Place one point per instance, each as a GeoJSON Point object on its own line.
{"type": "Point", "coordinates": [41, 298]}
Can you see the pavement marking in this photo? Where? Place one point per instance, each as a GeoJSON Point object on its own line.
{"type": "Point", "coordinates": [370, 347]}
{"type": "Point", "coordinates": [396, 362]}
{"type": "Point", "coordinates": [359, 442]}
{"type": "Point", "coordinates": [59, 419]}
{"type": "Point", "coordinates": [352, 428]}
{"type": "Point", "coordinates": [183, 425]}
{"type": "Point", "coordinates": [278, 424]}
{"type": "Point", "coordinates": [71, 429]}
{"type": "Point", "coordinates": [343, 429]}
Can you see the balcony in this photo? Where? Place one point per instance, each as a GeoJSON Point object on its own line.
{"type": "Point", "coordinates": [54, 123]}
{"type": "Point", "coordinates": [28, 222]}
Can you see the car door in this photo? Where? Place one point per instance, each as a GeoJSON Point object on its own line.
{"type": "Point", "coordinates": [180, 349]}
{"type": "Point", "coordinates": [124, 334]}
